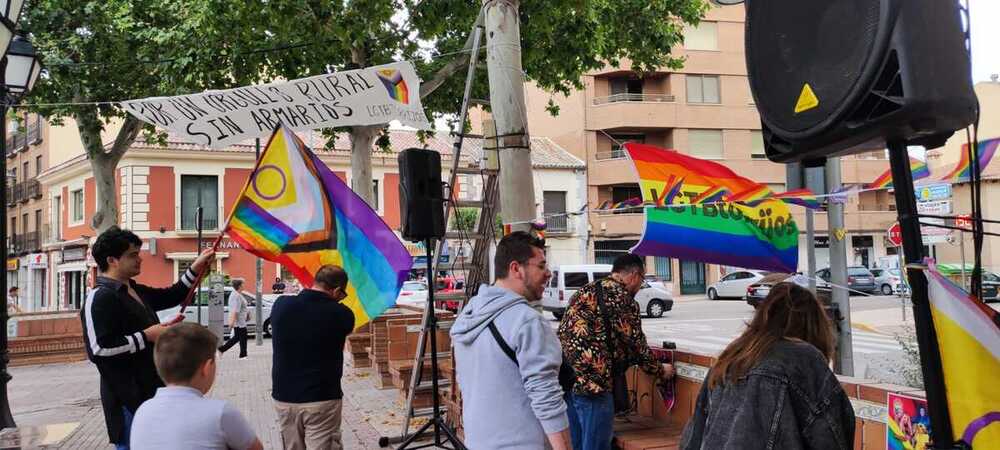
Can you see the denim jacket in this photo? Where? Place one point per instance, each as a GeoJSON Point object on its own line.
{"type": "Point", "coordinates": [789, 401]}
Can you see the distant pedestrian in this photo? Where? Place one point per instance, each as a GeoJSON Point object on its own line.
{"type": "Point", "coordinates": [13, 302]}
{"type": "Point", "coordinates": [120, 326]}
{"type": "Point", "coordinates": [308, 335]}
{"type": "Point", "coordinates": [602, 337]}
{"type": "Point", "coordinates": [279, 286]}
{"type": "Point", "coordinates": [507, 357]}
{"type": "Point", "coordinates": [772, 387]}
{"type": "Point", "coordinates": [239, 314]}
{"type": "Point", "coordinates": [179, 415]}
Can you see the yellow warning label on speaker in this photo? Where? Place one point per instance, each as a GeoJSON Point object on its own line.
{"type": "Point", "coordinates": [807, 99]}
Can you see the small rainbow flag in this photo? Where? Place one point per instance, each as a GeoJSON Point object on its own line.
{"type": "Point", "coordinates": [963, 170]}
{"type": "Point", "coordinates": [917, 167]}
{"type": "Point", "coordinates": [801, 197]}
{"type": "Point", "coordinates": [296, 212]}
{"type": "Point", "coordinates": [394, 83]}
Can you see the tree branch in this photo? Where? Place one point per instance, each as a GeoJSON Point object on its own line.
{"type": "Point", "coordinates": [454, 65]}
{"type": "Point", "coordinates": [126, 137]}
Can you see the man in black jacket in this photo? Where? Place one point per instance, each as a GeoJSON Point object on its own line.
{"type": "Point", "coordinates": [120, 326]}
{"type": "Point", "coordinates": [308, 334]}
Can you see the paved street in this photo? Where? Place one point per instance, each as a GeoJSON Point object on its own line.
{"type": "Point", "coordinates": [59, 393]}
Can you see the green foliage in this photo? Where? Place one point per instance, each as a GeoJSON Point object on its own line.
{"type": "Point", "coordinates": [465, 219]}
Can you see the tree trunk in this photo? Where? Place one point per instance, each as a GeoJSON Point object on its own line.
{"type": "Point", "coordinates": [362, 139]}
{"type": "Point", "coordinates": [104, 162]}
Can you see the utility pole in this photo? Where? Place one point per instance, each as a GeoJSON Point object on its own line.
{"type": "Point", "coordinates": [797, 177]}
{"type": "Point", "coordinates": [258, 302]}
{"type": "Point", "coordinates": [844, 364]}
{"type": "Point", "coordinates": [503, 63]}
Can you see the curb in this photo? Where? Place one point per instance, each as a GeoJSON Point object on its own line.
{"type": "Point", "coordinates": [866, 327]}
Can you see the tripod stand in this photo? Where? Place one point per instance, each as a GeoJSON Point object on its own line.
{"type": "Point", "coordinates": [441, 431]}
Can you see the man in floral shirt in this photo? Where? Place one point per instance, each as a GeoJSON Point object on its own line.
{"type": "Point", "coordinates": [585, 346]}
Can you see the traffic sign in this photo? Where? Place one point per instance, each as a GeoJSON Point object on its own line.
{"type": "Point", "coordinates": [895, 235]}
{"type": "Point", "coordinates": [932, 192]}
{"type": "Point", "coordinates": [964, 221]}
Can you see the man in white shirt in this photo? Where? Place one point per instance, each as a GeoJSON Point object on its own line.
{"type": "Point", "coordinates": [179, 415]}
{"type": "Point", "coordinates": [239, 312]}
{"type": "Point", "coordinates": [13, 303]}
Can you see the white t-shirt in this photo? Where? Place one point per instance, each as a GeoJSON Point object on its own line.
{"type": "Point", "coordinates": [180, 417]}
{"type": "Point", "coordinates": [238, 303]}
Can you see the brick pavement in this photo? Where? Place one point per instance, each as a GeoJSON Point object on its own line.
{"type": "Point", "coordinates": [56, 393]}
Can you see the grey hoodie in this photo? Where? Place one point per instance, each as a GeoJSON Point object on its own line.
{"type": "Point", "coordinates": [506, 405]}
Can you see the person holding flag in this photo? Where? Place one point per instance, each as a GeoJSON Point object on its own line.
{"type": "Point", "coordinates": [120, 326]}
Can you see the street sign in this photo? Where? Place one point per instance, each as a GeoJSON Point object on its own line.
{"type": "Point", "coordinates": [931, 192]}
{"type": "Point", "coordinates": [895, 235]}
{"type": "Point", "coordinates": [216, 301]}
{"type": "Point", "coordinates": [935, 207]}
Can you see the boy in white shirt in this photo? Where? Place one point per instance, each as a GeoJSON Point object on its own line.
{"type": "Point", "coordinates": [179, 416]}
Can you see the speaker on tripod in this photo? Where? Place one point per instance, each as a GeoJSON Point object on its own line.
{"type": "Point", "coordinates": [838, 77]}
{"type": "Point", "coordinates": [421, 195]}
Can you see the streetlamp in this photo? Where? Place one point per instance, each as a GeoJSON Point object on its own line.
{"type": "Point", "coordinates": [19, 69]}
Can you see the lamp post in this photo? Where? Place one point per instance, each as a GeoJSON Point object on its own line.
{"type": "Point", "coordinates": [19, 69]}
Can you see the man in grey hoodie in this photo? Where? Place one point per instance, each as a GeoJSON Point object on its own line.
{"type": "Point", "coordinates": [507, 357]}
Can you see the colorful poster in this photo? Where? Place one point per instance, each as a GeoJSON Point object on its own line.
{"type": "Point", "coordinates": [909, 425]}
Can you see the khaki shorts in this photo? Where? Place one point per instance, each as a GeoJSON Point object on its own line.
{"type": "Point", "coordinates": [310, 426]}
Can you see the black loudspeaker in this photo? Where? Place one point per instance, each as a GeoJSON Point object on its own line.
{"type": "Point", "coordinates": [835, 77]}
{"type": "Point", "coordinates": [421, 195]}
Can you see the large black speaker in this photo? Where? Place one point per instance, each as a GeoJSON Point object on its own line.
{"type": "Point", "coordinates": [834, 77]}
{"type": "Point", "coordinates": [421, 195]}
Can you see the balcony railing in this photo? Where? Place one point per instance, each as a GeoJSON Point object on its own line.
{"type": "Point", "coordinates": [617, 153]}
{"type": "Point", "coordinates": [629, 97]}
{"type": "Point", "coordinates": [556, 223]}
{"type": "Point", "coordinates": [26, 243]}
{"type": "Point", "coordinates": [207, 224]}
{"type": "Point", "coordinates": [20, 140]}
{"type": "Point", "coordinates": [32, 189]}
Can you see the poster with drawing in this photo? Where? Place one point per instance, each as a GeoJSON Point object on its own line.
{"type": "Point", "coordinates": [908, 425]}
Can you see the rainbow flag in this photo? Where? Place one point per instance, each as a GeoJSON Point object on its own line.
{"type": "Point", "coordinates": [296, 212]}
{"type": "Point", "coordinates": [968, 336]}
{"type": "Point", "coordinates": [752, 196]}
{"type": "Point", "coordinates": [963, 170]}
{"type": "Point", "coordinates": [761, 237]}
{"type": "Point", "coordinates": [801, 197]}
{"type": "Point", "coordinates": [917, 167]}
{"type": "Point", "coordinates": [395, 85]}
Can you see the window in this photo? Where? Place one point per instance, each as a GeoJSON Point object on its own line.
{"type": "Point", "coordinates": [664, 271]}
{"type": "Point", "coordinates": [703, 89]}
{"type": "Point", "coordinates": [13, 229]}
{"type": "Point", "coordinates": [13, 176]}
{"type": "Point", "coordinates": [624, 193]}
{"type": "Point", "coordinates": [626, 89]}
{"type": "Point", "coordinates": [76, 212]}
{"type": "Point", "coordinates": [38, 165]}
{"type": "Point", "coordinates": [619, 140]}
{"type": "Point", "coordinates": [554, 282]}
{"type": "Point", "coordinates": [203, 191]}
{"type": "Point", "coordinates": [576, 280]}
{"type": "Point", "coordinates": [25, 170]}
{"type": "Point", "coordinates": [57, 217]}
{"type": "Point", "coordinates": [601, 275]}
{"type": "Point", "coordinates": [704, 36]}
{"type": "Point", "coordinates": [38, 220]}
{"type": "Point", "coordinates": [605, 252]}
{"type": "Point", "coordinates": [375, 195]}
{"type": "Point", "coordinates": [757, 145]}
{"type": "Point", "coordinates": [555, 210]}
{"type": "Point", "coordinates": [705, 143]}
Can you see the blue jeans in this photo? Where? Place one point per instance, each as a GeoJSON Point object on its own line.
{"type": "Point", "coordinates": [128, 428]}
{"type": "Point", "coordinates": [590, 420]}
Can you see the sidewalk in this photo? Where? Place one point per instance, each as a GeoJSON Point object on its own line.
{"type": "Point", "coordinates": [888, 321]}
{"type": "Point", "coordinates": [59, 393]}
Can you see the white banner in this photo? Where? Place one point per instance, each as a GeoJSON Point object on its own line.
{"type": "Point", "coordinates": [369, 96]}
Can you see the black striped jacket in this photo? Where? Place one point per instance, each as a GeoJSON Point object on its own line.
{"type": "Point", "coordinates": [112, 332]}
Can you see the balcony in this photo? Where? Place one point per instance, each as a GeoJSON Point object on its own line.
{"type": "Point", "coordinates": [26, 243]}
{"type": "Point", "coordinates": [635, 111]}
{"type": "Point", "coordinates": [20, 140]}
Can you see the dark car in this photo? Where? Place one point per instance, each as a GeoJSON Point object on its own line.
{"type": "Point", "coordinates": [859, 278]}
{"type": "Point", "coordinates": [757, 292]}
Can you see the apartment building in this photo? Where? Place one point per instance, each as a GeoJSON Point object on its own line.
{"type": "Point", "coordinates": [161, 188]}
{"type": "Point", "coordinates": [707, 110]}
{"type": "Point", "coordinates": [27, 223]}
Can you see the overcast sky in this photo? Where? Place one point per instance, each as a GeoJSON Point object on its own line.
{"type": "Point", "coordinates": [985, 38]}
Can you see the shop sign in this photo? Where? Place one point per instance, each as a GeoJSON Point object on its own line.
{"type": "Point", "coordinates": [225, 244]}
{"type": "Point", "coordinates": [933, 192]}
{"type": "Point", "coordinates": [37, 261]}
{"type": "Point", "coordinates": [74, 254]}
{"type": "Point", "coordinates": [12, 264]}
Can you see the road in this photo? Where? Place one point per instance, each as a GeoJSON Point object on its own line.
{"type": "Point", "coordinates": [707, 326]}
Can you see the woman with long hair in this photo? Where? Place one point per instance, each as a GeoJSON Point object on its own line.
{"type": "Point", "coordinates": [772, 387]}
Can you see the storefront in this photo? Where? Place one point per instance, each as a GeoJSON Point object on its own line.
{"type": "Point", "coordinates": [32, 274]}
{"type": "Point", "coordinates": [71, 277]}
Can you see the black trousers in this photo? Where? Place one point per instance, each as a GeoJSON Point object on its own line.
{"type": "Point", "coordinates": [239, 334]}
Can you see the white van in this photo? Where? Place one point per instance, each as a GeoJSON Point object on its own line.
{"type": "Point", "coordinates": [567, 279]}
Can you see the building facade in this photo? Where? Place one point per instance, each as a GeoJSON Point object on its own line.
{"type": "Point", "coordinates": [706, 110]}
{"type": "Point", "coordinates": [27, 223]}
{"type": "Point", "coordinates": [161, 188]}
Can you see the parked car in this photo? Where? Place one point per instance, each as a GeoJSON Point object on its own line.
{"type": "Point", "coordinates": [566, 280]}
{"type": "Point", "coordinates": [889, 281]}
{"type": "Point", "coordinates": [733, 285]}
{"type": "Point", "coordinates": [859, 278]}
{"type": "Point", "coordinates": [201, 302]}
{"type": "Point", "coordinates": [757, 292]}
{"type": "Point", "coordinates": [413, 293]}
{"type": "Point", "coordinates": [655, 298]}
{"type": "Point", "coordinates": [991, 281]}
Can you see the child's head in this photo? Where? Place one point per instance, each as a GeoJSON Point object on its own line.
{"type": "Point", "coordinates": [185, 355]}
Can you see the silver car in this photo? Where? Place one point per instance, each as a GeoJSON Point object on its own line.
{"type": "Point", "coordinates": [201, 302]}
{"type": "Point", "coordinates": [889, 281]}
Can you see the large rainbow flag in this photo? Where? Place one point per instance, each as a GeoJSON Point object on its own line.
{"type": "Point", "coordinates": [968, 335]}
{"type": "Point", "coordinates": [917, 167]}
{"type": "Point", "coordinates": [296, 212]}
{"type": "Point", "coordinates": [963, 170]}
{"type": "Point", "coordinates": [697, 227]}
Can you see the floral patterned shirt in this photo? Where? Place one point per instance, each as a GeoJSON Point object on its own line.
{"type": "Point", "coordinates": [584, 338]}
